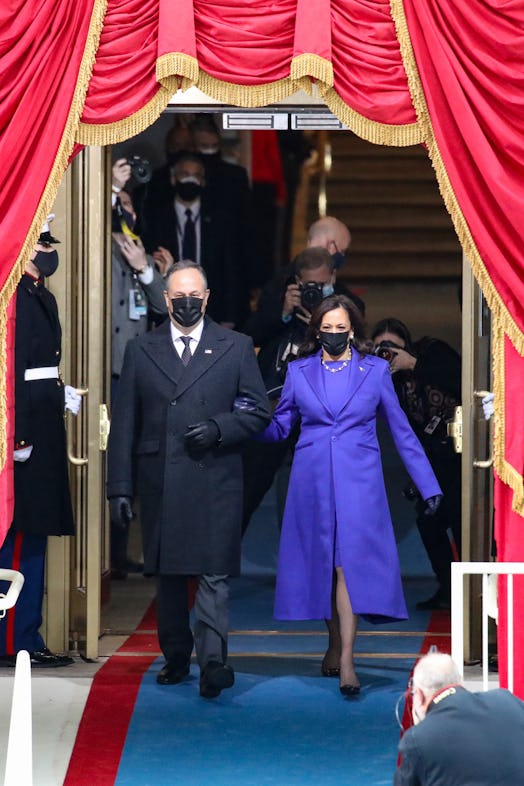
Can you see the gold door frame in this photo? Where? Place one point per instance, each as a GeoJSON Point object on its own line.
{"type": "Point", "coordinates": [75, 565]}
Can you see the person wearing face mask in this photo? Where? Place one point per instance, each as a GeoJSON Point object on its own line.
{"type": "Point", "coordinates": [137, 297]}
{"type": "Point", "coordinates": [189, 395]}
{"type": "Point", "coordinates": [41, 484]}
{"type": "Point", "coordinates": [336, 519]}
{"type": "Point", "coordinates": [459, 737]}
{"type": "Point", "coordinates": [195, 226]}
{"type": "Point", "coordinates": [427, 377]}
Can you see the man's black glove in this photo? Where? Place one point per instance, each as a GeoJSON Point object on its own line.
{"type": "Point", "coordinates": [432, 504]}
{"type": "Point", "coordinates": [120, 511]}
{"type": "Point", "coordinates": [202, 436]}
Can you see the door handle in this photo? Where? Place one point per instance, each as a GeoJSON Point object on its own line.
{"type": "Point", "coordinates": [76, 461]}
{"type": "Point", "coordinates": [455, 429]}
{"type": "Point", "coordinates": [105, 426]}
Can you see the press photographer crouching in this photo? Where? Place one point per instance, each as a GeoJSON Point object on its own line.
{"type": "Point", "coordinates": [459, 737]}
{"type": "Point", "coordinates": [427, 379]}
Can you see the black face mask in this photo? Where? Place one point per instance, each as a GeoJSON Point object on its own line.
{"type": "Point", "coordinates": [186, 310]}
{"type": "Point", "coordinates": [334, 343]}
{"type": "Point", "coordinates": [188, 191]}
{"type": "Point", "coordinates": [46, 262]}
{"type": "Point", "coordinates": [338, 259]}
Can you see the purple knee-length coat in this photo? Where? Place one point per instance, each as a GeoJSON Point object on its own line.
{"type": "Point", "coordinates": [337, 481]}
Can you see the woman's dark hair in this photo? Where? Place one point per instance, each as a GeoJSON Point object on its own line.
{"type": "Point", "coordinates": [312, 344]}
{"type": "Point", "coordinates": [392, 325]}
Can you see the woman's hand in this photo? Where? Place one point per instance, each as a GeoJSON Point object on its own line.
{"type": "Point", "coordinates": [402, 360]}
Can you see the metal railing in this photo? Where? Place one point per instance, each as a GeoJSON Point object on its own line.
{"type": "Point", "coordinates": [458, 571]}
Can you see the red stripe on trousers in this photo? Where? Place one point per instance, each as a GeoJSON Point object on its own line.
{"type": "Point", "coordinates": [10, 626]}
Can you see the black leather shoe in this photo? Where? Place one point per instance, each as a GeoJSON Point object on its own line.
{"type": "Point", "coordinates": [173, 672]}
{"type": "Point", "coordinates": [47, 659]}
{"type": "Point", "coordinates": [215, 678]}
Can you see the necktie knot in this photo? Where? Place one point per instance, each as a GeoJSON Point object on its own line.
{"type": "Point", "coordinates": [186, 352]}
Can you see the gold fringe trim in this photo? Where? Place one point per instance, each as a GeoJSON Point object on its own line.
{"type": "Point", "coordinates": [313, 66]}
{"type": "Point", "coordinates": [177, 64]}
{"type": "Point", "coordinates": [48, 197]}
{"type": "Point", "coordinates": [247, 96]}
{"type": "Point", "coordinates": [506, 472]}
{"type": "Point", "coordinates": [371, 130]}
{"type": "Point", "coordinates": [503, 322]}
{"type": "Point", "coordinates": [120, 130]}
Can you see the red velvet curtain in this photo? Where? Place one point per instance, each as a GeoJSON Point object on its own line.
{"type": "Point", "coordinates": [46, 51]}
{"type": "Point", "coordinates": [446, 72]}
{"type": "Point", "coordinates": [465, 65]}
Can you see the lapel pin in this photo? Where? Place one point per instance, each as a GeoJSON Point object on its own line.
{"type": "Point", "coordinates": [208, 351]}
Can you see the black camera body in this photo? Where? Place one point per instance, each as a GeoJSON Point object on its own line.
{"type": "Point", "coordinates": [385, 350]}
{"type": "Point", "coordinates": [311, 295]}
{"type": "Point", "coordinates": [141, 169]}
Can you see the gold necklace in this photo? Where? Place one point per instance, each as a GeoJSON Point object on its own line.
{"type": "Point", "coordinates": [335, 370]}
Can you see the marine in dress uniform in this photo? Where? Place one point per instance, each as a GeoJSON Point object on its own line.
{"type": "Point", "coordinates": [42, 498]}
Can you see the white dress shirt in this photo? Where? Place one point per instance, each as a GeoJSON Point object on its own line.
{"type": "Point", "coordinates": [195, 336]}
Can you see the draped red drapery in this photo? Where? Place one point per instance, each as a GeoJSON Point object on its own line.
{"type": "Point", "coordinates": [446, 72]}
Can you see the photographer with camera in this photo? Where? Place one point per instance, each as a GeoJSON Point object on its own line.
{"type": "Point", "coordinates": [137, 293]}
{"type": "Point", "coordinates": [427, 379]}
{"type": "Point", "coordinates": [459, 737]}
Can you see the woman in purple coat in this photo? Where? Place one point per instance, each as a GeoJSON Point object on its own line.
{"type": "Point", "coordinates": [337, 517]}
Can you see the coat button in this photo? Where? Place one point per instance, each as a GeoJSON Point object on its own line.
{"type": "Point", "coordinates": [201, 464]}
{"type": "Point", "coordinates": [117, 330]}
{"type": "Point", "coordinates": [173, 403]}
{"type": "Point", "coordinates": [333, 439]}
{"type": "Point", "coordinates": [122, 302]}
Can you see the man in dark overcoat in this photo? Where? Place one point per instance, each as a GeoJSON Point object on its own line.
{"type": "Point", "coordinates": [41, 484]}
{"type": "Point", "coordinates": [190, 393]}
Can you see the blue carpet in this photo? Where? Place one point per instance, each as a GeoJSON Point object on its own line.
{"type": "Point", "coordinates": [266, 730]}
{"type": "Point", "coordinates": [282, 723]}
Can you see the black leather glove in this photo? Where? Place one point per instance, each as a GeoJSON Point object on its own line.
{"type": "Point", "coordinates": [432, 504]}
{"type": "Point", "coordinates": [202, 436]}
{"type": "Point", "coordinates": [120, 511]}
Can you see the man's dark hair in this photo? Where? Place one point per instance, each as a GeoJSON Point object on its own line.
{"type": "Point", "coordinates": [185, 264]}
{"type": "Point", "coordinates": [196, 158]}
{"type": "Point", "coordinates": [359, 342]}
{"type": "Point", "coordinates": [313, 258]}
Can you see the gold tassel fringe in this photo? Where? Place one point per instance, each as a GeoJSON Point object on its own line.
{"type": "Point", "coordinates": [503, 322]}
{"type": "Point", "coordinates": [314, 66]}
{"type": "Point", "coordinates": [370, 130]}
{"type": "Point", "coordinates": [48, 197]}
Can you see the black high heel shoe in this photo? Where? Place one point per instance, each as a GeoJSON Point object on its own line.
{"type": "Point", "coordinates": [350, 690]}
{"type": "Point", "coordinates": [330, 672]}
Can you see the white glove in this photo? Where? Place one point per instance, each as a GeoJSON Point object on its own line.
{"type": "Point", "coordinates": [72, 399]}
{"type": "Point", "coordinates": [487, 405]}
{"type": "Point", "coordinates": [22, 454]}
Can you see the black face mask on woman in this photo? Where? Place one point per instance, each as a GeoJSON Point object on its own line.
{"type": "Point", "coordinates": [186, 310]}
{"type": "Point", "coordinates": [334, 343]}
{"type": "Point", "coordinates": [46, 262]}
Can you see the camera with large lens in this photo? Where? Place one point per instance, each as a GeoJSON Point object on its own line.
{"type": "Point", "coordinates": [384, 350]}
{"type": "Point", "coordinates": [311, 295]}
{"type": "Point", "coordinates": [141, 169]}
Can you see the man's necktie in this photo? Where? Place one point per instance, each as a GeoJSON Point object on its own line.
{"type": "Point", "coordinates": [189, 238]}
{"type": "Point", "coordinates": [186, 352]}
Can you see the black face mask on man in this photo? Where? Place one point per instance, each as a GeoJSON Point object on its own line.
{"type": "Point", "coordinates": [334, 343]}
{"type": "Point", "coordinates": [188, 189]}
{"type": "Point", "coordinates": [186, 310]}
{"type": "Point", "coordinates": [46, 262]}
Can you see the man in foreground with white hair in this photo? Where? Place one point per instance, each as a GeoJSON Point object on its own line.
{"type": "Point", "coordinates": [460, 738]}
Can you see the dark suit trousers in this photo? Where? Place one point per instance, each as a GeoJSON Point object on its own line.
{"type": "Point", "coordinates": [211, 618]}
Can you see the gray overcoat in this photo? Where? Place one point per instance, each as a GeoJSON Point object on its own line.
{"type": "Point", "coordinates": [190, 507]}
